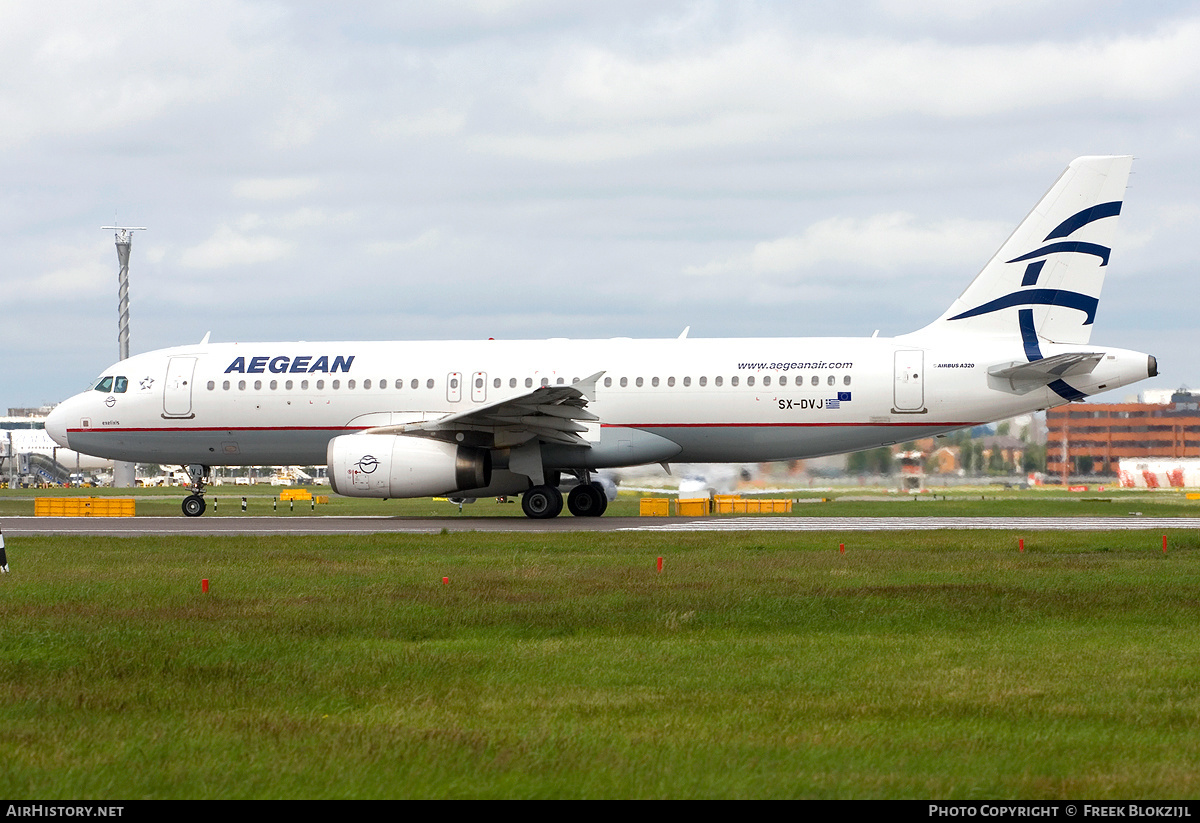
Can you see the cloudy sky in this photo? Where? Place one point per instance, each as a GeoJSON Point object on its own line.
{"type": "Point", "coordinates": [527, 168]}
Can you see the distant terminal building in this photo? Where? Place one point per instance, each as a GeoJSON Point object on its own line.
{"type": "Point", "coordinates": [1092, 438]}
{"type": "Point", "coordinates": [26, 418]}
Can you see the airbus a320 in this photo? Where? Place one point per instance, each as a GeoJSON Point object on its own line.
{"type": "Point", "coordinates": [491, 417]}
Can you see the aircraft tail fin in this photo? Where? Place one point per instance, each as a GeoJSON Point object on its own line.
{"type": "Point", "coordinates": [1044, 283]}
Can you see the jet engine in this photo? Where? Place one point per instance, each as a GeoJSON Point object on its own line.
{"type": "Point", "coordinates": [391, 465]}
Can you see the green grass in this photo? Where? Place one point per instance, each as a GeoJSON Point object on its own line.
{"type": "Point", "coordinates": [940, 664]}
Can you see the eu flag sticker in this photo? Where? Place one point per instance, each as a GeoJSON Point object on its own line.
{"type": "Point", "coordinates": [843, 396]}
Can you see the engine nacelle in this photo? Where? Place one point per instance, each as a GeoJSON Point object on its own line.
{"type": "Point", "coordinates": [391, 465]}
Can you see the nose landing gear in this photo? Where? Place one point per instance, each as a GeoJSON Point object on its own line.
{"type": "Point", "coordinates": [193, 504]}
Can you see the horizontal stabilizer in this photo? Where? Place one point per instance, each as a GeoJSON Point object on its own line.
{"type": "Point", "coordinates": [1021, 378]}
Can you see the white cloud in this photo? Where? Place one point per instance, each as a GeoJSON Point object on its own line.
{"type": "Point", "coordinates": [439, 122]}
{"type": "Point", "coordinates": [227, 248]}
{"type": "Point", "coordinates": [277, 188]}
{"type": "Point", "coordinates": [86, 69]}
{"type": "Point", "coordinates": [426, 240]}
{"type": "Point", "coordinates": [889, 243]}
{"type": "Point", "coordinates": [599, 103]}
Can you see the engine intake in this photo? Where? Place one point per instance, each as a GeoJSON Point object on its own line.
{"type": "Point", "coordinates": [391, 465]}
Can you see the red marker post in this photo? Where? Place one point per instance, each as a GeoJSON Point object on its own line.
{"type": "Point", "coordinates": [660, 564]}
{"type": "Point", "coordinates": [204, 585]}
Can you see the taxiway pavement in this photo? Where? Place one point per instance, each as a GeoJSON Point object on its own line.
{"type": "Point", "coordinates": [228, 526]}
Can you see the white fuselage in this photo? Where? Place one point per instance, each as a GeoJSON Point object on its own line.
{"type": "Point", "coordinates": [682, 400]}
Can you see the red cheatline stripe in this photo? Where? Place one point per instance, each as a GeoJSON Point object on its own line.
{"type": "Point", "coordinates": [914, 424]}
{"type": "Point", "coordinates": [106, 429]}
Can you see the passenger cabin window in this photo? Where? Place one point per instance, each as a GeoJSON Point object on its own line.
{"type": "Point", "coordinates": [717, 381]}
{"type": "Point", "coordinates": [846, 380]}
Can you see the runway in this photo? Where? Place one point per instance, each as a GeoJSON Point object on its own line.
{"type": "Point", "coordinates": [230, 526]}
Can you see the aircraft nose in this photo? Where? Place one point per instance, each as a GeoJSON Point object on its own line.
{"type": "Point", "coordinates": [56, 425]}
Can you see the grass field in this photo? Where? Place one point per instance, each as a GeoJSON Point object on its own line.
{"type": "Point", "coordinates": [916, 665]}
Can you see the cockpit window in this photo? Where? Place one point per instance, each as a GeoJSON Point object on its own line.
{"type": "Point", "coordinates": [120, 385]}
{"type": "Point", "coordinates": [104, 384]}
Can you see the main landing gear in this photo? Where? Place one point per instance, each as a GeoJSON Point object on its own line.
{"type": "Point", "coordinates": [193, 504]}
{"type": "Point", "coordinates": [544, 502]}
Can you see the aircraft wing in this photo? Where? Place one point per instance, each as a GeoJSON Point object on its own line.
{"type": "Point", "coordinates": [552, 414]}
{"type": "Point", "coordinates": [1022, 378]}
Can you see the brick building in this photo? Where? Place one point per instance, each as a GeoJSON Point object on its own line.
{"type": "Point", "coordinates": [1097, 435]}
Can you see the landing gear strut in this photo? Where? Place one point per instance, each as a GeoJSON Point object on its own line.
{"type": "Point", "coordinates": [193, 504]}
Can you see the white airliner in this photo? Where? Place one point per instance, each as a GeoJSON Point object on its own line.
{"type": "Point", "coordinates": [489, 417]}
{"type": "Point", "coordinates": [37, 441]}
